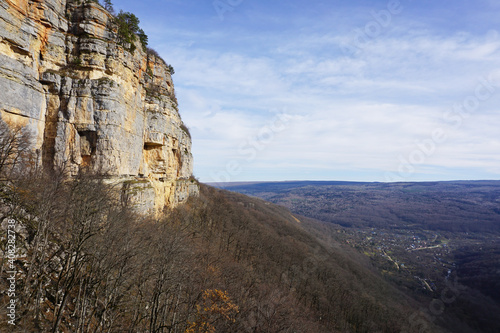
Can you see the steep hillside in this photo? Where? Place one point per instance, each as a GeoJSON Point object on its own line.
{"type": "Point", "coordinates": [221, 262]}
{"type": "Point", "coordinates": [421, 237]}
{"type": "Point", "coordinates": [92, 96]}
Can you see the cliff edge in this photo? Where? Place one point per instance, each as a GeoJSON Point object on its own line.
{"type": "Point", "coordinates": [90, 100]}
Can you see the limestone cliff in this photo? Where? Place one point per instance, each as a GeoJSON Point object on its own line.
{"type": "Point", "coordinates": [89, 102]}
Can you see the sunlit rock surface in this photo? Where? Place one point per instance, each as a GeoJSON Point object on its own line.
{"type": "Point", "coordinates": [89, 102]}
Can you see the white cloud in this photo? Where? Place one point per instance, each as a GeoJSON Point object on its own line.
{"type": "Point", "coordinates": [351, 112]}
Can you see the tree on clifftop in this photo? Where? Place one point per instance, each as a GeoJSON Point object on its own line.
{"type": "Point", "coordinates": [128, 30]}
{"type": "Point", "coordinates": [108, 5]}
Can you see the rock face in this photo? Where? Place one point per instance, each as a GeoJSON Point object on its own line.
{"type": "Point", "coordinates": [89, 102]}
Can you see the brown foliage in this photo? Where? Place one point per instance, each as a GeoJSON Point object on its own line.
{"type": "Point", "coordinates": [220, 263]}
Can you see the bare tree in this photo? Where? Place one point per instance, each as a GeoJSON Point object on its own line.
{"type": "Point", "coordinates": [15, 148]}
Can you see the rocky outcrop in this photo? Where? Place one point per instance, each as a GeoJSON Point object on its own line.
{"type": "Point", "coordinates": [89, 102]}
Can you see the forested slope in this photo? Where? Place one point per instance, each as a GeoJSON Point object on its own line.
{"type": "Point", "coordinates": [425, 238]}
{"type": "Point", "coordinates": [222, 262]}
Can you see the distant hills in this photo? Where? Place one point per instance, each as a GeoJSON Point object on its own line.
{"type": "Point", "coordinates": [419, 235]}
{"type": "Point", "coordinates": [467, 206]}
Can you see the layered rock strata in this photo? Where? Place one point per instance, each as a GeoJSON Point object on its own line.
{"type": "Point", "coordinates": [90, 102]}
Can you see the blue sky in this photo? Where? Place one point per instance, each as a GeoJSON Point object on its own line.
{"type": "Point", "coordinates": [328, 90]}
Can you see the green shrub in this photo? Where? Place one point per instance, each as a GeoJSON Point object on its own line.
{"type": "Point", "coordinates": [171, 69]}
{"type": "Point", "coordinates": [76, 61]}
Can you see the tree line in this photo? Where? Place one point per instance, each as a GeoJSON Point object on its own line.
{"type": "Point", "coordinates": [222, 262]}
